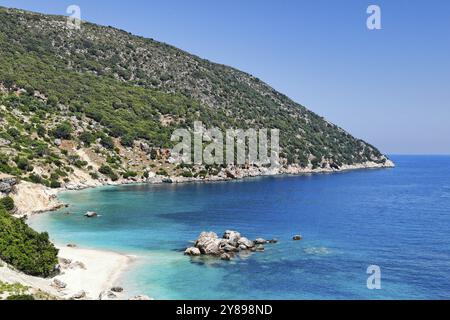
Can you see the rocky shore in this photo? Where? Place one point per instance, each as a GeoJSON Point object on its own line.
{"type": "Point", "coordinates": [32, 198]}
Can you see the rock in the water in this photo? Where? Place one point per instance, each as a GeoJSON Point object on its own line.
{"type": "Point", "coordinates": [117, 289]}
{"type": "Point", "coordinates": [91, 214]}
{"type": "Point", "coordinates": [272, 241]}
{"type": "Point", "coordinates": [297, 238]}
{"type": "Point", "coordinates": [79, 295]}
{"type": "Point", "coordinates": [107, 295]}
{"type": "Point", "coordinates": [71, 245]}
{"type": "Point", "coordinates": [225, 246]}
{"type": "Point", "coordinates": [140, 298]}
{"type": "Point", "coordinates": [225, 256]}
{"type": "Point", "coordinates": [247, 244]}
{"type": "Point", "coordinates": [232, 237]}
{"type": "Point", "coordinates": [192, 251]}
{"type": "Point", "coordinates": [208, 243]}
{"type": "Point", "coordinates": [260, 241]}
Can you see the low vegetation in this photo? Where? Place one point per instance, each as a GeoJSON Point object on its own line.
{"type": "Point", "coordinates": [25, 249]}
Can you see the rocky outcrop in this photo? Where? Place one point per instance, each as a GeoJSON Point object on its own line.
{"type": "Point", "coordinates": [227, 247]}
{"type": "Point", "coordinates": [91, 214]}
{"type": "Point", "coordinates": [7, 183]}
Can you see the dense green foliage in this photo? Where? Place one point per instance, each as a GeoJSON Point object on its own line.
{"type": "Point", "coordinates": [128, 83]}
{"type": "Point", "coordinates": [25, 249]}
{"type": "Point", "coordinates": [7, 203]}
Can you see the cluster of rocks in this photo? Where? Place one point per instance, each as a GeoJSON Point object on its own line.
{"type": "Point", "coordinates": [7, 183]}
{"type": "Point", "coordinates": [208, 243]}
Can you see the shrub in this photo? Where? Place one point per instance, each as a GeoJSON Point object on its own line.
{"type": "Point", "coordinates": [54, 184]}
{"type": "Point", "coordinates": [87, 138]}
{"type": "Point", "coordinates": [107, 142]}
{"type": "Point", "coordinates": [107, 171]}
{"type": "Point", "coordinates": [7, 203]}
{"type": "Point", "coordinates": [63, 131]}
{"type": "Point", "coordinates": [25, 249]}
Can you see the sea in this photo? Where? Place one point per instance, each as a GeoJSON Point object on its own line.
{"type": "Point", "coordinates": [367, 234]}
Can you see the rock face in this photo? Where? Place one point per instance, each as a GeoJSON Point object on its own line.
{"type": "Point", "coordinates": [225, 248]}
{"type": "Point", "coordinates": [7, 183]}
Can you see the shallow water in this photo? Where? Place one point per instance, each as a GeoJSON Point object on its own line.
{"type": "Point", "coordinates": [398, 219]}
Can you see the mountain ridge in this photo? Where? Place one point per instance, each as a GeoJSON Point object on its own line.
{"type": "Point", "coordinates": [103, 103]}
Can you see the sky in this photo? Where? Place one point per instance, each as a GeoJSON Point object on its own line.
{"type": "Point", "coordinates": [390, 87]}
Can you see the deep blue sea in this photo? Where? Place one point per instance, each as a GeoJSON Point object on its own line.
{"type": "Point", "coordinates": [398, 219]}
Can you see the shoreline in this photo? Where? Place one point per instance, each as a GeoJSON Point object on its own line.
{"type": "Point", "coordinates": [34, 199]}
{"type": "Point", "coordinates": [87, 273]}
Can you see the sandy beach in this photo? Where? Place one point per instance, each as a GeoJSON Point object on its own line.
{"type": "Point", "coordinates": [85, 270]}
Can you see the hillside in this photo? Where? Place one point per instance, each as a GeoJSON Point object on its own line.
{"type": "Point", "coordinates": [100, 104]}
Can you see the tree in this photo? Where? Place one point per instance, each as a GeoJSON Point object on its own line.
{"type": "Point", "coordinates": [63, 131]}
{"type": "Point", "coordinates": [7, 203]}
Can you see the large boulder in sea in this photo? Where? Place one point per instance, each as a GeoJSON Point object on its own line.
{"type": "Point", "coordinates": [231, 244]}
{"type": "Point", "coordinates": [232, 237]}
{"type": "Point", "coordinates": [192, 251]}
{"type": "Point", "coordinates": [208, 243]}
{"type": "Point", "coordinates": [244, 243]}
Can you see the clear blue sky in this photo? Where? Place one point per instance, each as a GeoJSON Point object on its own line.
{"type": "Point", "coordinates": [390, 87]}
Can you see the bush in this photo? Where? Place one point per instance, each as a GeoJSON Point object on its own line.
{"type": "Point", "coordinates": [7, 203]}
{"type": "Point", "coordinates": [63, 131]}
{"type": "Point", "coordinates": [107, 171]}
{"type": "Point", "coordinates": [54, 184]}
{"type": "Point", "coordinates": [129, 174]}
{"type": "Point", "coordinates": [87, 138]}
{"type": "Point", "coordinates": [107, 142]}
{"type": "Point", "coordinates": [25, 249]}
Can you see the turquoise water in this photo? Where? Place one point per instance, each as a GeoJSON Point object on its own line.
{"type": "Point", "coordinates": [398, 219]}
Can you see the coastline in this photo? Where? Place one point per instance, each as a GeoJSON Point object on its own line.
{"type": "Point", "coordinates": [89, 273]}
{"type": "Point", "coordinates": [85, 274]}
{"type": "Point", "coordinates": [33, 199]}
